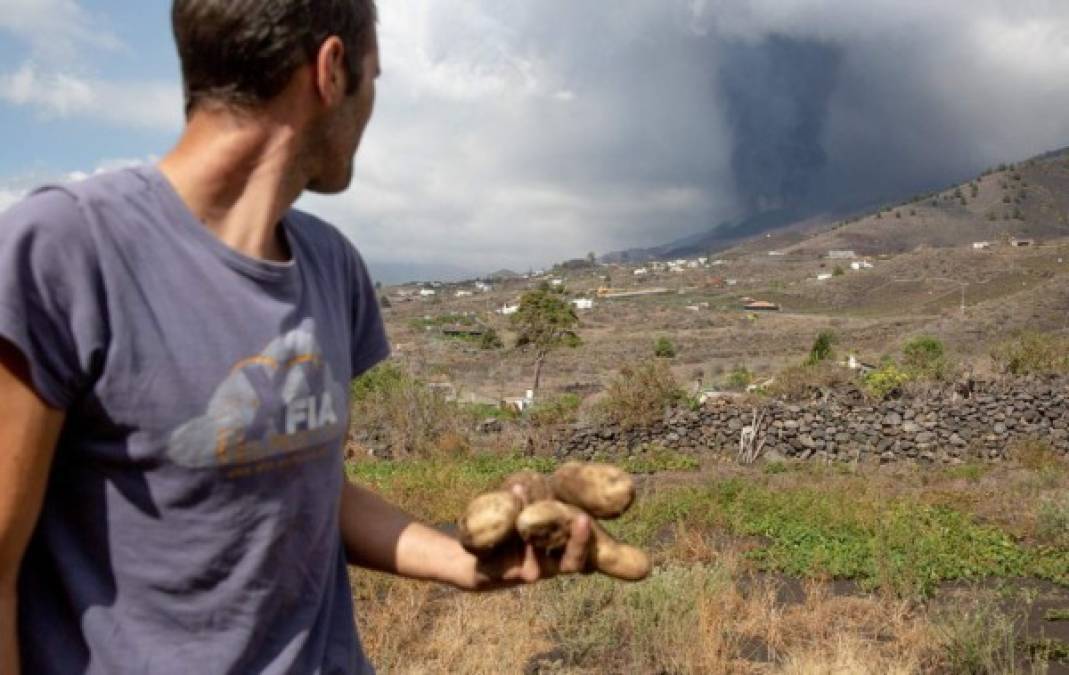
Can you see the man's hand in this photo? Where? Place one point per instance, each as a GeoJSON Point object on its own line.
{"type": "Point", "coordinates": [521, 563]}
{"type": "Point", "coordinates": [380, 536]}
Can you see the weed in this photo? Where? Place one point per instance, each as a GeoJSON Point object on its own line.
{"type": "Point", "coordinates": [978, 638]}
{"type": "Point", "coordinates": [1032, 352]}
{"type": "Point", "coordinates": [1052, 520]}
{"type": "Point", "coordinates": [639, 394]}
{"type": "Point", "coordinates": [663, 348]}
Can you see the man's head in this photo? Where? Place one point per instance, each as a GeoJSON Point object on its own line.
{"type": "Point", "coordinates": [242, 55]}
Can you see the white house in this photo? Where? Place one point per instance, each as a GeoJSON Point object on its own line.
{"type": "Point", "coordinates": [508, 309]}
{"type": "Point", "coordinates": [556, 282]}
{"type": "Point", "coordinates": [703, 261]}
{"type": "Point", "coordinates": [823, 276]}
{"type": "Point", "coordinates": [463, 294]}
{"type": "Point", "coordinates": [427, 292]}
{"type": "Point", "coordinates": [483, 288]}
{"type": "Point", "coordinates": [583, 303]}
{"type": "Point", "coordinates": [693, 264]}
{"type": "Point", "coordinates": [641, 272]}
{"type": "Point", "coordinates": [675, 268]}
{"type": "Point", "coordinates": [981, 245]}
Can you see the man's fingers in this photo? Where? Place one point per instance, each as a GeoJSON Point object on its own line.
{"type": "Point", "coordinates": [577, 550]}
{"type": "Point", "coordinates": [520, 492]}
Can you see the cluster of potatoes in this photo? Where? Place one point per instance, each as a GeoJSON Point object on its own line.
{"type": "Point", "coordinates": [604, 491]}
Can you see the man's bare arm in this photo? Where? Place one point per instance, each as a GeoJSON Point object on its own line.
{"type": "Point", "coordinates": [380, 536]}
{"type": "Point", "coordinates": [29, 429]}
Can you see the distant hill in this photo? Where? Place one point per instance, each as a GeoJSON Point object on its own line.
{"type": "Point", "coordinates": [1027, 199]}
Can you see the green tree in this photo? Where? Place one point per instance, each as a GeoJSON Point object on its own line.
{"type": "Point", "coordinates": [822, 348]}
{"type": "Point", "coordinates": [838, 271]}
{"type": "Point", "coordinates": [545, 321]}
{"type": "Point", "coordinates": [664, 349]}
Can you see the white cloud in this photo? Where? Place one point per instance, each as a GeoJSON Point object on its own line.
{"type": "Point", "coordinates": [57, 94]}
{"type": "Point", "coordinates": [54, 29]}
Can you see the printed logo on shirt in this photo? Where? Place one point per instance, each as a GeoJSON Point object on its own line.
{"type": "Point", "coordinates": [275, 408]}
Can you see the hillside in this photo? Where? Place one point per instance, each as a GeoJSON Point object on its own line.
{"type": "Point", "coordinates": [1029, 199]}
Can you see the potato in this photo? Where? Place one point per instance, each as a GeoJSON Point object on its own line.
{"type": "Point", "coordinates": [602, 490]}
{"type": "Point", "coordinates": [536, 486]}
{"type": "Point", "coordinates": [488, 521]}
{"type": "Point", "coordinates": [547, 525]}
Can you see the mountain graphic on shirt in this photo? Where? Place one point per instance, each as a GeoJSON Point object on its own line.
{"type": "Point", "coordinates": [281, 401]}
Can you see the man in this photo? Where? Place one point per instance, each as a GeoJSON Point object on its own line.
{"type": "Point", "coordinates": [175, 348]}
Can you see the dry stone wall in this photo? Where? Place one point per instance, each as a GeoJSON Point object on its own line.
{"type": "Point", "coordinates": [981, 420]}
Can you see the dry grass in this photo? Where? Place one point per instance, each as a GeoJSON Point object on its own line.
{"type": "Point", "coordinates": [708, 608]}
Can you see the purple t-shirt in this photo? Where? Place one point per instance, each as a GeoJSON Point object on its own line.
{"type": "Point", "coordinates": [190, 523]}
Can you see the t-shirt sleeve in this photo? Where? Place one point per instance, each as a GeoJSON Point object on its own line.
{"type": "Point", "coordinates": [369, 343]}
{"type": "Point", "coordinates": [51, 294]}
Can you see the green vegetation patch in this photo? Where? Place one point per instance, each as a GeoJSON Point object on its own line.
{"type": "Point", "coordinates": [896, 544]}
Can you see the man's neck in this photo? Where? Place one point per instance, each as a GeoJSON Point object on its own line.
{"type": "Point", "coordinates": [238, 177]}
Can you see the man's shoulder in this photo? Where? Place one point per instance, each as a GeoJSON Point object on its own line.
{"type": "Point", "coordinates": [62, 205]}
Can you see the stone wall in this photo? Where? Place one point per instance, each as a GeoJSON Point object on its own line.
{"type": "Point", "coordinates": [980, 420]}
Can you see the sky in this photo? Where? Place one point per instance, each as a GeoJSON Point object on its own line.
{"type": "Point", "coordinates": [511, 133]}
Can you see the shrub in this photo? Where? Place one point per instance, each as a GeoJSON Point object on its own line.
{"type": "Point", "coordinates": [393, 407]}
{"type": "Point", "coordinates": [925, 357]}
{"type": "Point", "coordinates": [838, 271]}
{"type": "Point", "coordinates": [1032, 353]}
{"type": "Point", "coordinates": [800, 382]}
{"type": "Point", "coordinates": [822, 348]}
{"type": "Point", "coordinates": [886, 380]}
{"type": "Point", "coordinates": [1052, 520]}
{"type": "Point", "coordinates": [554, 411]}
{"type": "Point", "coordinates": [664, 349]}
{"type": "Point", "coordinates": [490, 340]}
{"type": "Point", "coordinates": [639, 394]}
{"type": "Point", "coordinates": [739, 378]}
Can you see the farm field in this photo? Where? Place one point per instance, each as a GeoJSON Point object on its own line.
{"type": "Point", "coordinates": [780, 567]}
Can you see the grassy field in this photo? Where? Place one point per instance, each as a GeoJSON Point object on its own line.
{"type": "Point", "coordinates": [782, 567]}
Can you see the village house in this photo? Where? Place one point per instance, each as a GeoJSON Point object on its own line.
{"type": "Point", "coordinates": [1021, 243]}
{"type": "Point", "coordinates": [427, 292]}
{"type": "Point", "coordinates": [824, 276]}
{"type": "Point", "coordinates": [507, 309]}
{"type": "Point", "coordinates": [463, 294]}
{"type": "Point", "coordinates": [761, 306]}
{"type": "Point", "coordinates": [841, 254]}
{"type": "Point", "coordinates": [583, 303]}
{"type": "Point", "coordinates": [981, 245]}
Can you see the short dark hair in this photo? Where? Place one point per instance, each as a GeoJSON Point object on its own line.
{"type": "Point", "coordinates": [242, 53]}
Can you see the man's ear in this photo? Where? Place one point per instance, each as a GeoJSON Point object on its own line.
{"type": "Point", "coordinates": [330, 75]}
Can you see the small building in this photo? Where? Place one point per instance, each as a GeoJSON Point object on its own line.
{"type": "Point", "coordinates": [463, 294]}
{"type": "Point", "coordinates": [427, 293]}
{"type": "Point", "coordinates": [761, 306]}
{"type": "Point", "coordinates": [775, 253]}
{"type": "Point", "coordinates": [981, 245]}
{"type": "Point", "coordinates": [583, 303]}
{"type": "Point", "coordinates": [824, 276]}
{"type": "Point", "coordinates": [508, 309]}
{"type": "Point", "coordinates": [675, 268]}
{"type": "Point", "coordinates": [556, 282]}
{"type": "Point", "coordinates": [1021, 243]}
{"type": "Point", "coordinates": [640, 272]}
{"type": "Point", "coordinates": [703, 261]}
{"type": "Point", "coordinates": [841, 254]}
{"type": "Point", "coordinates": [518, 404]}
